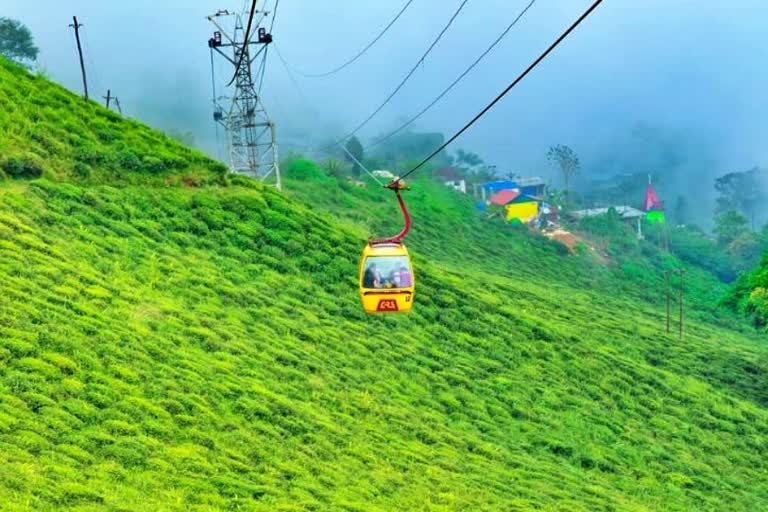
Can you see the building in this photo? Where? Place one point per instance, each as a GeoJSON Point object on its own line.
{"type": "Point", "coordinates": [532, 186]}
{"type": "Point", "coordinates": [625, 212]}
{"type": "Point", "coordinates": [452, 178]}
{"type": "Point", "coordinates": [517, 206]}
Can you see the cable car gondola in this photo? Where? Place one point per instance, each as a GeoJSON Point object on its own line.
{"type": "Point", "coordinates": [387, 282]}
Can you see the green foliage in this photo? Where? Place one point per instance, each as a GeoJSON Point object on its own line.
{"type": "Point", "coordinates": [16, 42]}
{"type": "Point", "coordinates": [749, 295]}
{"type": "Point", "coordinates": [40, 124]}
{"type": "Point", "coordinates": [304, 170]}
{"type": "Point", "coordinates": [334, 168]}
{"type": "Point", "coordinates": [187, 138]}
{"type": "Point", "coordinates": [412, 146]}
{"type": "Point", "coordinates": [614, 235]}
{"type": "Point", "coordinates": [567, 161]}
{"type": "Point", "coordinates": [742, 192]}
{"type": "Point", "coordinates": [203, 348]}
{"type": "Point", "coordinates": [734, 237]}
{"type": "Point", "coordinates": [28, 166]}
{"type": "Point", "coordinates": [355, 155]}
{"type": "Point", "coordinates": [729, 226]}
{"type": "Point", "coordinates": [467, 158]}
{"type": "Point", "coordinates": [694, 247]}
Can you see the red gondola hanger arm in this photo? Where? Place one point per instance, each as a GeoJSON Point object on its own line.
{"type": "Point", "coordinates": [396, 186]}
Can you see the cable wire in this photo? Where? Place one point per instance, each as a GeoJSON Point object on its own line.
{"type": "Point", "coordinates": [361, 52]}
{"type": "Point", "coordinates": [274, 15]}
{"type": "Point", "coordinates": [506, 90]}
{"type": "Point", "coordinates": [294, 81]}
{"type": "Point", "coordinates": [455, 82]}
{"type": "Point", "coordinates": [245, 42]}
{"type": "Point", "coordinates": [262, 70]}
{"type": "Point", "coordinates": [316, 116]}
{"type": "Point", "coordinates": [410, 73]}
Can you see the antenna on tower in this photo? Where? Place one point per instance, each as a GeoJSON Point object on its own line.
{"type": "Point", "coordinates": [252, 148]}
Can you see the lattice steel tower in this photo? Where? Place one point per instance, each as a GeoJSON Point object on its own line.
{"type": "Point", "coordinates": [250, 131]}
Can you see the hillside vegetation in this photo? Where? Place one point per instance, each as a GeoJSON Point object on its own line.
{"type": "Point", "coordinates": [749, 295]}
{"type": "Point", "coordinates": [202, 348]}
{"type": "Point", "coordinates": [48, 131]}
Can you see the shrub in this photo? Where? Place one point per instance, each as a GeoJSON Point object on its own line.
{"type": "Point", "coordinates": [81, 170]}
{"type": "Point", "coordinates": [23, 167]}
{"type": "Point", "coordinates": [127, 159]}
{"type": "Point", "coordinates": [305, 170]}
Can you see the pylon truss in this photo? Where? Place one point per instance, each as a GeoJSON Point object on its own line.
{"type": "Point", "coordinates": [252, 146]}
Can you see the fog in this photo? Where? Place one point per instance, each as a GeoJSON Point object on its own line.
{"type": "Point", "coordinates": [670, 87]}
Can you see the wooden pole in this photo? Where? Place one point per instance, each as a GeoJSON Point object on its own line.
{"type": "Point", "coordinates": [669, 295]}
{"type": "Point", "coordinates": [77, 26]}
{"type": "Point", "coordinates": [682, 288]}
{"type": "Point", "coordinates": [108, 97]}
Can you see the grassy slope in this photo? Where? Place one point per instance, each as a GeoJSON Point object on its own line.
{"type": "Point", "coordinates": [67, 137]}
{"type": "Point", "coordinates": [175, 348]}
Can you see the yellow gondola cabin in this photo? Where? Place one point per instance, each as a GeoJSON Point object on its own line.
{"type": "Point", "coordinates": [387, 283]}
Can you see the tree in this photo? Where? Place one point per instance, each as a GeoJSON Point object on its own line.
{"type": "Point", "coordinates": [741, 192]}
{"type": "Point", "coordinates": [483, 174]}
{"type": "Point", "coordinates": [334, 168]}
{"type": "Point", "coordinates": [468, 158]}
{"type": "Point", "coordinates": [355, 155]}
{"type": "Point", "coordinates": [16, 42]}
{"type": "Point", "coordinates": [568, 162]}
{"type": "Point", "coordinates": [729, 226]}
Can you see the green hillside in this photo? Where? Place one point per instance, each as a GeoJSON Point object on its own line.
{"type": "Point", "coordinates": [178, 344]}
{"type": "Point", "coordinates": [48, 131]}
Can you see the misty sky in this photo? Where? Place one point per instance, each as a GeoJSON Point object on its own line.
{"type": "Point", "coordinates": [691, 74]}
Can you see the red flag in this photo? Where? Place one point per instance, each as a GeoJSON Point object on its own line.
{"type": "Point", "coordinates": [652, 201]}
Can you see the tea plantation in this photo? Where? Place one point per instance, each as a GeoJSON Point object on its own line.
{"type": "Point", "coordinates": [175, 339]}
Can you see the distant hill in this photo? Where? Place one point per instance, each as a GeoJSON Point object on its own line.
{"type": "Point", "coordinates": [175, 339]}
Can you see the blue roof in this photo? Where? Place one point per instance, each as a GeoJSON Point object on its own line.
{"type": "Point", "coordinates": [525, 184]}
{"type": "Point", "coordinates": [495, 186]}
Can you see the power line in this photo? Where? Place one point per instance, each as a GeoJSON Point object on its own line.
{"type": "Point", "coordinates": [361, 52]}
{"type": "Point", "coordinates": [266, 48]}
{"type": "Point", "coordinates": [262, 70]}
{"type": "Point", "coordinates": [410, 73]}
{"type": "Point", "coordinates": [245, 42]}
{"type": "Point", "coordinates": [458, 79]}
{"type": "Point", "coordinates": [90, 63]}
{"type": "Point", "coordinates": [295, 83]}
{"type": "Point", "coordinates": [274, 15]}
{"type": "Point", "coordinates": [507, 89]}
{"type": "Point", "coordinates": [314, 114]}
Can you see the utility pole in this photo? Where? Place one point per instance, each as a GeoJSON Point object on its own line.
{"type": "Point", "coordinates": [669, 295]}
{"type": "Point", "coordinates": [250, 131]}
{"type": "Point", "coordinates": [109, 99]}
{"type": "Point", "coordinates": [77, 26]}
{"type": "Point", "coordinates": [680, 272]}
{"type": "Point", "coordinates": [682, 293]}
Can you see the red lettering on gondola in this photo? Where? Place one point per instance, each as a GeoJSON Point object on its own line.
{"type": "Point", "coordinates": [387, 305]}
